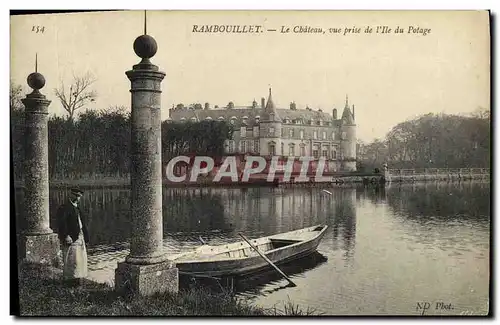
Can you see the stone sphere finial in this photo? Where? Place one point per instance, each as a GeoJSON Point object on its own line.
{"type": "Point", "coordinates": [145, 46]}
{"type": "Point", "coordinates": [36, 80]}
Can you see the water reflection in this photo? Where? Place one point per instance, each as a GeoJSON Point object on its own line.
{"type": "Point", "coordinates": [217, 213]}
{"type": "Point", "coordinates": [445, 201]}
{"type": "Point", "coordinates": [262, 283]}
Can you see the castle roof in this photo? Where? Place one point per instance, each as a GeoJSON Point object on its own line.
{"type": "Point", "coordinates": [270, 113]}
{"type": "Point", "coordinates": [253, 115]}
{"type": "Point", "coordinates": [347, 115]}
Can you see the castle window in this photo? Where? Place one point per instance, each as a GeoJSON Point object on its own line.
{"type": "Point", "coordinates": [302, 134]}
{"type": "Point", "coordinates": [316, 153]}
{"type": "Point", "coordinates": [344, 135]}
{"type": "Point", "coordinates": [325, 153]}
{"type": "Point", "coordinates": [291, 133]}
{"type": "Point", "coordinates": [324, 135]}
{"type": "Point", "coordinates": [271, 131]}
{"type": "Point", "coordinates": [333, 135]}
{"type": "Point", "coordinates": [315, 134]}
{"type": "Point", "coordinates": [291, 150]}
{"type": "Point", "coordinates": [243, 146]}
{"type": "Point", "coordinates": [282, 149]}
{"type": "Point", "coordinates": [272, 148]}
{"type": "Point", "coordinates": [334, 154]}
{"type": "Point", "coordinates": [282, 133]}
{"type": "Point", "coordinates": [302, 151]}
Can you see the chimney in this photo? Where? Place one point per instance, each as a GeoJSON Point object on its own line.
{"type": "Point", "coordinates": [334, 113]}
{"type": "Point", "coordinates": [263, 102]}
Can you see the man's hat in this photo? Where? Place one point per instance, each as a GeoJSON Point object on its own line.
{"type": "Point", "coordinates": [76, 192]}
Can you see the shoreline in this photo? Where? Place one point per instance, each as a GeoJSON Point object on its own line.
{"type": "Point", "coordinates": [340, 180]}
{"type": "Point", "coordinates": [42, 293]}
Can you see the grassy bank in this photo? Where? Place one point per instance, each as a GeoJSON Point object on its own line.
{"type": "Point", "coordinates": [41, 293]}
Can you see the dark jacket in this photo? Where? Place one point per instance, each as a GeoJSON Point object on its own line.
{"type": "Point", "coordinates": [67, 222]}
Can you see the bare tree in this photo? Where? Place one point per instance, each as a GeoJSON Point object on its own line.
{"type": "Point", "coordinates": [16, 91]}
{"type": "Point", "coordinates": [79, 93]}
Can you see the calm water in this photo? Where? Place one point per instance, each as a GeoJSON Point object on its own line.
{"type": "Point", "coordinates": [384, 252]}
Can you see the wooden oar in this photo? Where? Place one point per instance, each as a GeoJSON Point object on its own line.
{"type": "Point", "coordinates": [268, 260]}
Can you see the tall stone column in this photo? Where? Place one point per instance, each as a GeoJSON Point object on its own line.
{"type": "Point", "coordinates": [36, 241]}
{"type": "Point", "coordinates": [146, 270]}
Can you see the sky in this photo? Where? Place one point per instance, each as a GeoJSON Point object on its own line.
{"type": "Point", "coordinates": [388, 77]}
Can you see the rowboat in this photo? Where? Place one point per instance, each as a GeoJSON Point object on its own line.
{"type": "Point", "coordinates": [240, 258]}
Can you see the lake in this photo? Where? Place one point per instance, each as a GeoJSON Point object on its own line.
{"type": "Point", "coordinates": [387, 251]}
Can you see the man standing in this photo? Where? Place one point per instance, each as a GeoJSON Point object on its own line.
{"type": "Point", "coordinates": [73, 236]}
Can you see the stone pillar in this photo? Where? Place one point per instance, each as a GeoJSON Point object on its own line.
{"type": "Point", "coordinates": [37, 243]}
{"type": "Point", "coordinates": [146, 269]}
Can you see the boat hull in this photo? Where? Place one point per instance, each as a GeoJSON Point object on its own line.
{"type": "Point", "coordinates": [252, 264]}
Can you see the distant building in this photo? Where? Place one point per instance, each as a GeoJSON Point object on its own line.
{"type": "Point", "coordinates": [268, 131]}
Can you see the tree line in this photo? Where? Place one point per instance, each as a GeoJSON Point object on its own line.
{"type": "Point", "coordinates": [98, 142]}
{"type": "Point", "coordinates": [432, 141]}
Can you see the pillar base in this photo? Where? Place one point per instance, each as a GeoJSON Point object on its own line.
{"type": "Point", "coordinates": [42, 249]}
{"type": "Point", "coordinates": [146, 280]}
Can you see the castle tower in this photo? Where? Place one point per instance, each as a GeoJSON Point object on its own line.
{"type": "Point", "coordinates": [270, 130]}
{"type": "Point", "coordinates": [348, 138]}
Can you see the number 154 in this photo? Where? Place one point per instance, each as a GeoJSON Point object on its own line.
{"type": "Point", "coordinates": [38, 29]}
